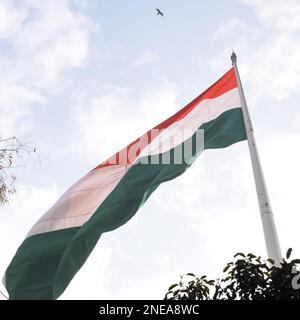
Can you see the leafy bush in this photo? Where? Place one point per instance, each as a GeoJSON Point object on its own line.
{"type": "Point", "coordinates": [248, 277]}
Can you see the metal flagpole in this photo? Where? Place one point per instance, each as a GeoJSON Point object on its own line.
{"type": "Point", "coordinates": [271, 237]}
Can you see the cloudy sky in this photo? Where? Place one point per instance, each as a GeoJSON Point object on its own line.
{"type": "Point", "coordinates": [80, 79]}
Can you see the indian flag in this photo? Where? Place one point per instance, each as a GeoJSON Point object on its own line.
{"type": "Point", "coordinates": [109, 195]}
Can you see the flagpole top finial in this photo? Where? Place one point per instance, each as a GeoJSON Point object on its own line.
{"type": "Point", "coordinates": [233, 58]}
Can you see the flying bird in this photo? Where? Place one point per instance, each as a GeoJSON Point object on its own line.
{"type": "Point", "coordinates": [159, 13]}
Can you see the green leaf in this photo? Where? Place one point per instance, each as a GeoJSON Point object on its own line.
{"type": "Point", "coordinates": [226, 268]}
{"type": "Point", "coordinates": [295, 261]}
{"type": "Point", "coordinates": [240, 262]}
{"type": "Point", "coordinates": [239, 254]}
{"type": "Point", "coordinates": [288, 253]}
{"type": "Point", "coordinates": [203, 277]}
{"type": "Point", "coordinates": [258, 259]}
{"type": "Point", "coordinates": [184, 290]}
{"type": "Point", "coordinates": [176, 292]}
{"type": "Point", "coordinates": [271, 261]}
{"type": "Point", "coordinates": [190, 274]}
{"type": "Point", "coordinates": [173, 286]}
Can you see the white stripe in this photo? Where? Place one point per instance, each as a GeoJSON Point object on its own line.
{"type": "Point", "coordinates": [180, 131]}
{"type": "Point", "coordinates": [81, 200]}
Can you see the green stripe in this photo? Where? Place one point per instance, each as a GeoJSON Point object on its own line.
{"type": "Point", "coordinates": [45, 264]}
{"type": "Point", "coordinates": [225, 130]}
{"type": "Point", "coordinates": [32, 271]}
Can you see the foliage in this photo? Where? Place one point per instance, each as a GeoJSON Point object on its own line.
{"type": "Point", "coordinates": [248, 277]}
{"type": "Point", "coordinates": [13, 153]}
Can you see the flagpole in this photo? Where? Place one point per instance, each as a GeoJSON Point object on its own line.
{"type": "Point", "coordinates": [270, 233]}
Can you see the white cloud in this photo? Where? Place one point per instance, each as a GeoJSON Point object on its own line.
{"type": "Point", "coordinates": [276, 14]}
{"type": "Point", "coordinates": [43, 40]}
{"type": "Point", "coordinates": [54, 38]}
{"type": "Point", "coordinates": [11, 19]}
{"type": "Point", "coordinates": [150, 287]}
{"type": "Point", "coordinates": [281, 157]}
{"type": "Point", "coordinates": [268, 51]}
{"type": "Point", "coordinates": [15, 101]}
{"type": "Point", "coordinates": [228, 28]}
{"type": "Point", "coordinates": [108, 122]}
{"type": "Point", "coordinates": [146, 58]}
